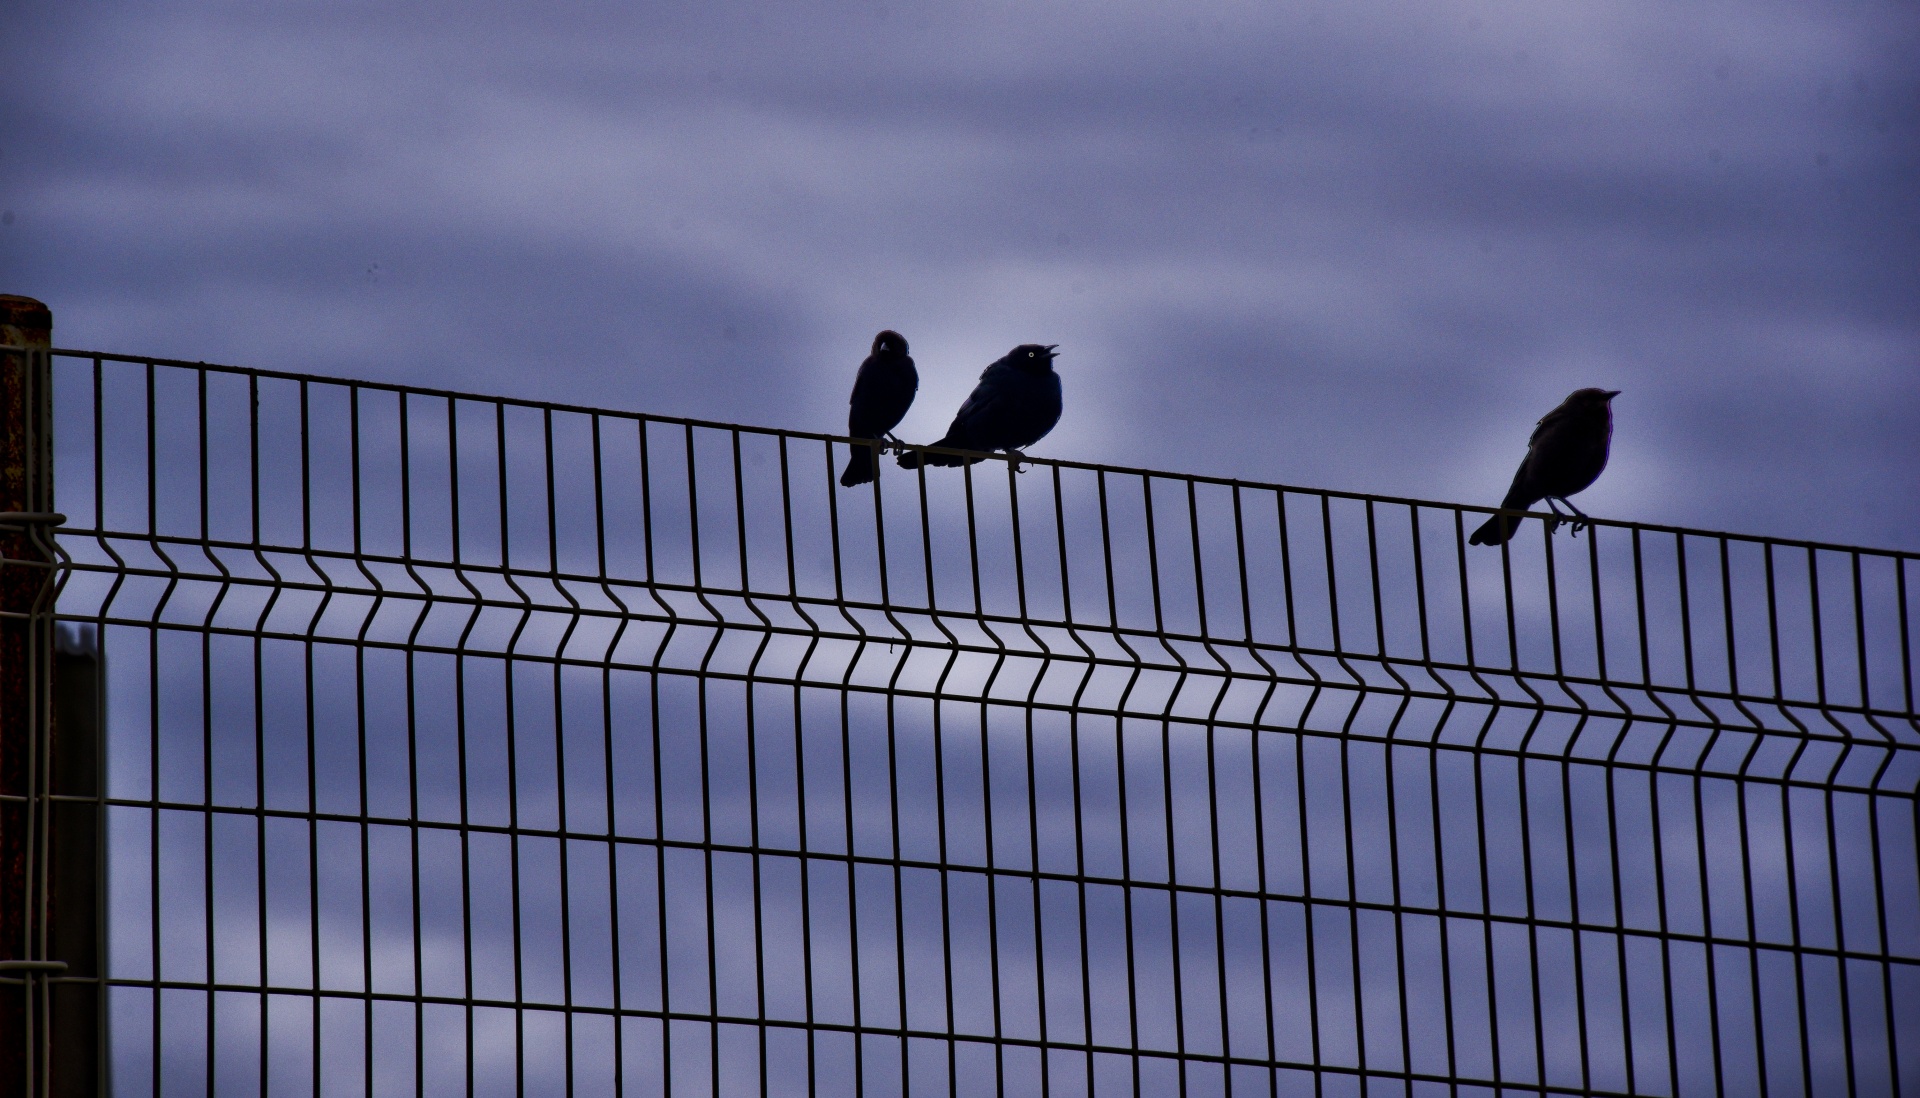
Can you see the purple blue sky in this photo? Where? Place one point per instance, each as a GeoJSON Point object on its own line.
{"type": "Point", "coordinates": [1355, 245]}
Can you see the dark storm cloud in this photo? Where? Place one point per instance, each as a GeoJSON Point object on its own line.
{"type": "Point", "coordinates": [1354, 246]}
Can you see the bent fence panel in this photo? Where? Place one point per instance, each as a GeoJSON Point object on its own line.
{"type": "Point", "coordinates": [465, 745]}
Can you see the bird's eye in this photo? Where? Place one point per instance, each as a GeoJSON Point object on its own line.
{"type": "Point", "coordinates": [1029, 354]}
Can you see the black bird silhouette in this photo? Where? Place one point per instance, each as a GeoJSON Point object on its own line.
{"type": "Point", "coordinates": [1565, 454]}
{"type": "Point", "coordinates": [882, 393]}
{"type": "Point", "coordinates": [1016, 403]}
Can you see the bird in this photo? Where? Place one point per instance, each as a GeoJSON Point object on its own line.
{"type": "Point", "coordinates": [1014, 406]}
{"type": "Point", "coordinates": [1565, 454]}
{"type": "Point", "coordinates": [882, 392]}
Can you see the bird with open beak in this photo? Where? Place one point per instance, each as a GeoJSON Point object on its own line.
{"type": "Point", "coordinates": [1014, 406]}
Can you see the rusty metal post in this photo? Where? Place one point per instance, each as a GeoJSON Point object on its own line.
{"type": "Point", "coordinates": [27, 559]}
{"type": "Point", "coordinates": [76, 836]}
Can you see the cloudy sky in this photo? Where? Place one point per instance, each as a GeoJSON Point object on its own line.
{"type": "Point", "coordinates": [1355, 245]}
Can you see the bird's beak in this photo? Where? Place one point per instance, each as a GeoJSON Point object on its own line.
{"type": "Point", "coordinates": [1611, 393]}
{"type": "Point", "coordinates": [1051, 353]}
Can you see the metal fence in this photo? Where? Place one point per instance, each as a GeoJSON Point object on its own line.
{"type": "Point", "coordinates": [465, 745]}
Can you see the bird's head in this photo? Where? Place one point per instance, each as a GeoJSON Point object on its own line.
{"type": "Point", "coordinates": [890, 342]}
{"type": "Point", "coordinates": [1592, 399]}
{"type": "Point", "coordinates": [1037, 357]}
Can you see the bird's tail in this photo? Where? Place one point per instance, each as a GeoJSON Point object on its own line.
{"type": "Point", "coordinates": [914, 459]}
{"type": "Point", "coordinates": [1498, 530]}
{"type": "Point", "coordinates": [859, 464]}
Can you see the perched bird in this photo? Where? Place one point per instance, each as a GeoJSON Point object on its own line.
{"type": "Point", "coordinates": [1016, 403]}
{"type": "Point", "coordinates": [1566, 453]}
{"type": "Point", "coordinates": [882, 393]}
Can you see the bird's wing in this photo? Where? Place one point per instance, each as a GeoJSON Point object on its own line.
{"type": "Point", "coordinates": [983, 408]}
{"type": "Point", "coordinates": [1547, 423]}
{"type": "Point", "coordinates": [860, 403]}
{"type": "Point", "coordinates": [866, 381]}
{"type": "Point", "coordinates": [986, 397]}
{"type": "Point", "coordinates": [863, 382]}
{"type": "Point", "coordinates": [881, 395]}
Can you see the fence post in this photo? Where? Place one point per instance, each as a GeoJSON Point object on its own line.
{"type": "Point", "coordinates": [76, 833]}
{"type": "Point", "coordinates": [26, 679]}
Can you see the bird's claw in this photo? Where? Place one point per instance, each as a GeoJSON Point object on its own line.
{"type": "Point", "coordinates": [1019, 460]}
{"type": "Point", "coordinates": [1573, 525]}
{"type": "Point", "coordinates": [1579, 520]}
{"type": "Point", "coordinates": [1575, 522]}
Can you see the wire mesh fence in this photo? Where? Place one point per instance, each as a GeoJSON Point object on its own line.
{"type": "Point", "coordinates": [464, 745]}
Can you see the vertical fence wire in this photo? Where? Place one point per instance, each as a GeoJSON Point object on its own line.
{"type": "Point", "coordinates": [465, 745]}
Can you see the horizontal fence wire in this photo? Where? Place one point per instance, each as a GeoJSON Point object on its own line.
{"type": "Point", "coordinates": [467, 745]}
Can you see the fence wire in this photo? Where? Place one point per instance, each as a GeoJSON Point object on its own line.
{"type": "Point", "coordinates": [457, 745]}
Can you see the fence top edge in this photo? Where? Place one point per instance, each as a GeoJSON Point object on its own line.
{"type": "Point", "coordinates": [1058, 463]}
